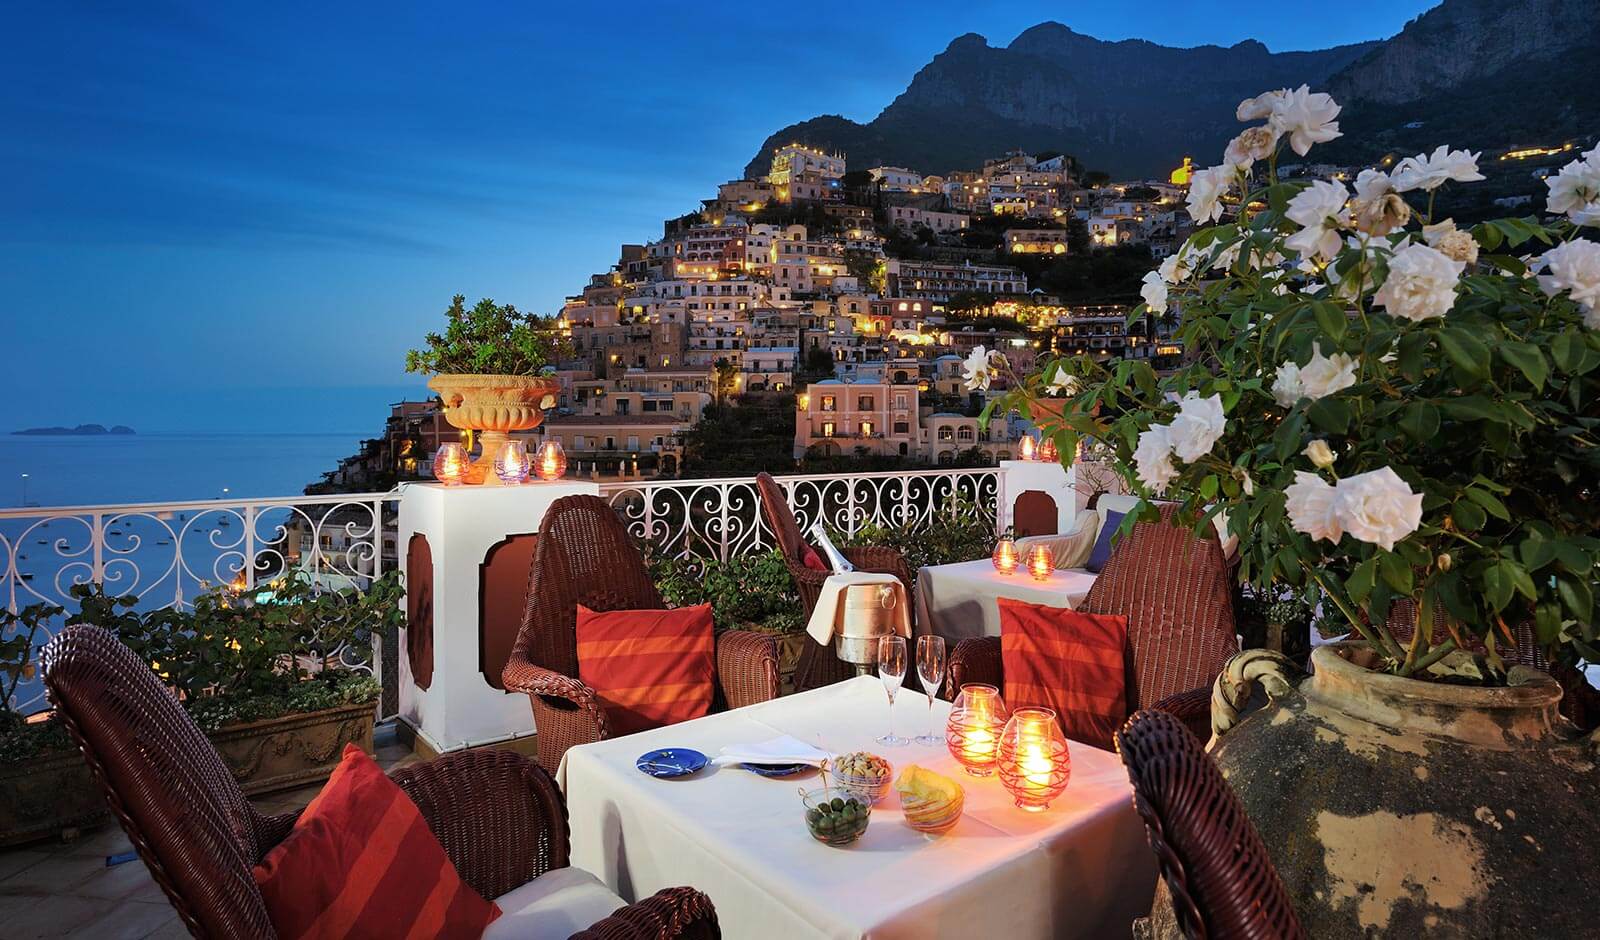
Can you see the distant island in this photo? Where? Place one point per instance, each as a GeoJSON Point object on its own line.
{"type": "Point", "coordinates": [82, 430]}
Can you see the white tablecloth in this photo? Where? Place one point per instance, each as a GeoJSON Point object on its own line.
{"type": "Point", "coordinates": [958, 601]}
{"type": "Point", "coordinates": [1080, 869]}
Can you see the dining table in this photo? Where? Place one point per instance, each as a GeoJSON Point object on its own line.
{"type": "Point", "coordinates": [1080, 868]}
{"type": "Point", "coordinates": [957, 601]}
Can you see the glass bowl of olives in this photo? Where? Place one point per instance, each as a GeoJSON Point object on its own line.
{"type": "Point", "coordinates": [834, 815]}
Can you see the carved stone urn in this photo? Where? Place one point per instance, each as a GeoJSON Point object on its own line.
{"type": "Point", "coordinates": [492, 406]}
{"type": "Point", "coordinates": [1406, 808]}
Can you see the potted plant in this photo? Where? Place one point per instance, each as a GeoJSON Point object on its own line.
{"type": "Point", "coordinates": [746, 592]}
{"type": "Point", "coordinates": [1404, 414]}
{"type": "Point", "coordinates": [490, 370]}
{"type": "Point", "coordinates": [45, 786]}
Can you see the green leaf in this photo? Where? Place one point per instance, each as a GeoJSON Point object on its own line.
{"type": "Point", "coordinates": [1466, 351]}
{"type": "Point", "coordinates": [1286, 439]}
{"type": "Point", "coordinates": [1468, 516]}
{"type": "Point", "coordinates": [1362, 580]}
{"type": "Point", "coordinates": [1420, 421]}
{"type": "Point", "coordinates": [1537, 551]}
{"type": "Point", "coordinates": [1528, 358]}
{"type": "Point", "coordinates": [1567, 351]}
{"type": "Point", "coordinates": [1497, 586]}
{"type": "Point", "coordinates": [1208, 487]}
{"type": "Point", "coordinates": [1396, 573]}
{"type": "Point", "coordinates": [1331, 317]}
{"type": "Point", "coordinates": [1331, 414]}
{"type": "Point", "coordinates": [1578, 597]}
{"type": "Point", "coordinates": [1490, 502]}
{"type": "Point", "coordinates": [983, 416]}
{"type": "Point", "coordinates": [1472, 408]}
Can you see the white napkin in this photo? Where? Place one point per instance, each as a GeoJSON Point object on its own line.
{"type": "Point", "coordinates": [784, 749]}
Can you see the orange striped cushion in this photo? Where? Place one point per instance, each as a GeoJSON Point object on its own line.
{"type": "Point", "coordinates": [649, 668]}
{"type": "Point", "coordinates": [1068, 661]}
{"type": "Point", "coordinates": [361, 862]}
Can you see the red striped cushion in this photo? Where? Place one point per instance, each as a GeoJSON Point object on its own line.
{"type": "Point", "coordinates": [361, 862]}
{"type": "Point", "coordinates": [1068, 661]}
{"type": "Point", "coordinates": [649, 668]}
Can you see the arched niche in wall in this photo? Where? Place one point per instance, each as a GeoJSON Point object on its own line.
{"type": "Point", "coordinates": [502, 598]}
{"type": "Point", "coordinates": [419, 609]}
{"type": "Point", "coordinates": [1034, 513]}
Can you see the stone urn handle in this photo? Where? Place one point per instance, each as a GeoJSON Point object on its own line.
{"type": "Point", "coordinates": [1273, 672]}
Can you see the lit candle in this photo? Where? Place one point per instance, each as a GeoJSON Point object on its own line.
{"type": "Point", "coordinates": [511, 464]}
{"type": "Point", "coordinates": [1033, 761]}
{"type": "Point", "coordinates": [1040, 562]}
{"type": "Point", "coordinates": [979, 746]}
{"type": "Point", "coordinates": [1005, 556]}
{"type": "Point", "coordinates": [1028, 448]}
{"type": "Point", "coordinates": [450, 464]}
{"type": "Point", "coordinates": [1036, 766]}
{"type": "Point", "coordinates": [552, 461]}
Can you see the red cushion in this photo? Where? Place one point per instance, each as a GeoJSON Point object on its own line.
{"type": "Point", "coordinates": [649, 668]}
{"type": "Point", "coordinates": [812, 560]}
{"type": "Point", "coordinates": [1068, 661]}
{"type": "Point", "coordinates": [362, 862]}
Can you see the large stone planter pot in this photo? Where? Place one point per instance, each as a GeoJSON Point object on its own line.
{"type": "Point", "coordinates": [47, 795]}
{"type": "Point", "coordinates": [292, 751]}
{"type": "Point", "coordinates": [1397, 807]}
{"type": "Point", "coordinates": [493, 406]}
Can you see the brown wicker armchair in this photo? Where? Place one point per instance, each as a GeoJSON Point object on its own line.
{"type": "Point", "coordinates": [499, 817]}
{"type": "Point", "coordinates": [1176, 591]}
{"type": "Point", "coordinates": [1218, 875]}
{"type": "Point", "coordinates": [818, 665]}
{"type": "Point", "coordinates": [584, 556]}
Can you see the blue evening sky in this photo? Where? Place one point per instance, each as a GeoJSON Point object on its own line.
{"type": "Point", "coordinates": [238, 216]}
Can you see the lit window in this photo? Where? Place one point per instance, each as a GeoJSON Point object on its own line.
{"type": "Point", "coordinates": [827, 429]}
{"type": "Point", "coordinates": [827, 403]}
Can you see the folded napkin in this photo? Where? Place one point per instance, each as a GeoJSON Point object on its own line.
{"type": "Point", "coordinates": [830, 603]}
{"type": "Point", "coordinates": [777, 752]}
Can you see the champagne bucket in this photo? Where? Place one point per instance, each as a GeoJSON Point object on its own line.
{"type": "Point", "coordinates": [867, 614]}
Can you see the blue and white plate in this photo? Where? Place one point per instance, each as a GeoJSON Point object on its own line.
{"type": "Point", "coordinates": [671, 762]}
{"type": "Point", "coordinates": [778, 770]}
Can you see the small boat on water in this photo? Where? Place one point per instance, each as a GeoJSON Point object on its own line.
{"type": "Point", "coordinates": [42, 542]}
{"type": "Point", "coordinates": [163, 541]}
{"type": "Point", "coordinates": [224, 522]}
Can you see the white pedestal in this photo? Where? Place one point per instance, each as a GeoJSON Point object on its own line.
{"type": "Point", "coordinates": [461, 523]}
{"type": "Point", "coordinates": [1052, 479]}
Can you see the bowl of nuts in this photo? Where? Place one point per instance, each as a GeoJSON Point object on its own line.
{"type": "Point", "coordinates": [867, 776]}
{"type": "Point", "coordinates": [835, 816]}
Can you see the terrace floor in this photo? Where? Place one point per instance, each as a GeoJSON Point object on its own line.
{"type": "Point", "coordinates": [53, 889]}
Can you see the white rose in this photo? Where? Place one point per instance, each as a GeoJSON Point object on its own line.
{"type": "Point", "coordinates": [1320, 454]}
{"type": "Point", "coordinates": [1574, 267]}
{"type": "Point", "coordinates": [1287, 387]}
{"type": "Point", "coordinates": [1453, 243]}
{"type": "Point", "coordinates": [1154, 292]}
{"type": "Point", "coordinates": [1313, 507]}
{"type": "Point", "coordinates": [1377, 210]}
{"type": "Point", "coordinates": [1575, 191]}
{"type": "Point", "coordinates": [1177, 266]}
{"type": "Point", "coordinates": [1379, 507]}
{"type": "Point", "coordinates": [1421, 284]}
{"type": "Point", "coordinates": [1430, 171]}
{"type": "Point", "coordinates": [1254, 109]}
{"type": "Point", "coordinates": [1319, 378]}
{"type": "Point", "coordinates": [1252, 144]}
{"type": "Point", "coordinates": [1320, 210]}
{"type": "Point", "coordinates": [1198, 425]}
{"type": "Point", "coordinates": [1306, 116]}
{"type": "Point", "coordinates": [1062, 383]}
{"type": "Point", "coordinates": [1152, 459]}
{"type": "Point", "coordinates": [1206, 189]}
{"type": "Point", "coordinates": [980, 366]}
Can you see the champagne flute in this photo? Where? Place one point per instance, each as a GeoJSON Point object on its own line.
{"type": "Point", "coordinates": [930, 668]}
{"type": "Point", "coordinates": [892, 670]}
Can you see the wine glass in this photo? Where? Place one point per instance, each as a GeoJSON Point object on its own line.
{"type": "Point", "coordinates": [930, 668]}
{"type": "Point", "coordinates": [892, 670]}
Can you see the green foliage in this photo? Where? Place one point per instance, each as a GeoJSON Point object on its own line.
{"type": "Point", "coordinates": [754, 432]}
{"type": "Point", "coordinates": [745, 592]}
{"type": "Point", "coordinates": [492, 339]}
{"type": "Point", "coordinates": [957, 532]}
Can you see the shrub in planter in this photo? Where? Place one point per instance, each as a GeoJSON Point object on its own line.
{"type": "Point", "coordinates": [956, 532]}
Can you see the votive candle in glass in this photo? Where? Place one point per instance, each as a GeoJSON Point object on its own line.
{"type": "Point", "coordinates": [1028, 450]}
{"type": "Point", "coordinates": [1033, 761]}
{"type": "Point", "coordinates": [972, 732]}
{"type": "Point", "coordinates": [511, 463]}
{"type": "Point", "coordinates": [1047, 450]}
{"type": "Point", "coordinates": [550, 463]}
{"type": "Point", "coordinates": [450, 464]}
{"type": "Point", "coordinates": [1040, 562]}
{"type": "Point", "coordinates": [1005, 556]}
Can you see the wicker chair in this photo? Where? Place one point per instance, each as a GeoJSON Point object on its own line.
{"type": "Point", "coordinates": [499, 817]}
{"type": "Point", "coordinates": [584, 556]}
{"type": "Point", "coordinates": [818, 665]}
{"type": "Point", "coordinates": [1219, 877]}
{"type": "Point", "coordinates": [1176, 591]}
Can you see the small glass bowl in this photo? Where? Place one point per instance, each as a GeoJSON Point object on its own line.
{"type": "Point", "coordinates": [867, 788]}
{"type": "Point", "coordinates": [840, 827]}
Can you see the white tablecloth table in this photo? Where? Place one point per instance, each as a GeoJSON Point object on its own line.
{"type": "Point", "coordinates": [958, 601]}
{"type": "Point", "coordinates": [1080, 869]}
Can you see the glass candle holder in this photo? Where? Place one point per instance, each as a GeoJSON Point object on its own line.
{"type": "Point", "coordinates": [1041, 564]}
{"type": "Point", "coordinates": [511, 463]}
{"type": "Point", "coordinates": [1047, 450]}
{"type": "Point", "coordinates": [1028, 450]}
{"type": "Point", "coordinates": [550, 463]}
{"type": "Point", "coordinates": [973, 730]}
{"type": "Point", "coordinates": [1005, 556]}
{"type": "Point", "coordinates": [1033, 762]}
{"type": "Point", "coordinates": [450, 464]}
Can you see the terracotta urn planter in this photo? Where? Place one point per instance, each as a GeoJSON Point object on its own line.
{"type": "Point", "coordinates": [1398, 807]}
{"type": "Point", "coordinates": [493, 406]}
{"type": "Point", "coordinates": [46, 796]}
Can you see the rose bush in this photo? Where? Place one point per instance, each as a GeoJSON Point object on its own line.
{"type": "Point", "coordinates": [1385, 406]}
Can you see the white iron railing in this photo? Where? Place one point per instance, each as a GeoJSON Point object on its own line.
{"type": "Point", "coordinates": [167, 554]}
{"type": "Point", "coordinates": [721, 517]}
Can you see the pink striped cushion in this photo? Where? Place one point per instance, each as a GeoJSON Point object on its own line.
{"type": "Point", "coordinates": [649, 668]}
{"type": "Point", "coordinates": [1067, 661]}
{"type": "Point", "coordinates": [361, 862]}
